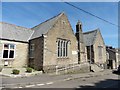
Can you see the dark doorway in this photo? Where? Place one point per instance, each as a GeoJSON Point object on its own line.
{"type": "Point", "coordinates": [110, 64]}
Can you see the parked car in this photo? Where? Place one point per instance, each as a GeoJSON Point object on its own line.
{"type": "Point", "coordinates": [117, 71]}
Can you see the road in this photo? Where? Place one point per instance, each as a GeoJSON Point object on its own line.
{"type": "Point", "coordinates": [105, 81]}
{"type": "Point", "coordinates": [99, 80]}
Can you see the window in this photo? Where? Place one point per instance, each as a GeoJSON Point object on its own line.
{"type": "Point", "coordinates": [62, 48]}
{"type": "Point", "coordinates": [100, 51]}
{"type": "Point", "coordinates": [8, 51]}
{"type": "Point", "coordinates": [58, 49]}
{"type": "Point", "coordinates": [107, 54]}
{"type": "Point", "coordinates": [31, 50]}
{"type": "Point", "coordinates": [66, 48]}
{"type": "Point", "coordinates": [5, 54]}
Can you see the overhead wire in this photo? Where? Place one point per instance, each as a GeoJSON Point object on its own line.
{"type": "Point", "coordinates": [91, 14]}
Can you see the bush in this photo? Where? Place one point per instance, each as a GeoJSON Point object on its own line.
{"type": "Point", "coordinates": [15, 71]}
{"type": "Point", "coordinates": [29, 70]}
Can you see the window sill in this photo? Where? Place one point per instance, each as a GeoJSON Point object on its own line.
{"type": "Point", "coordinates": [8, 59]}
{"type": "Point", "coordinates": [62, 57]}
{"type": "Point", "coordinates": [31, 57]}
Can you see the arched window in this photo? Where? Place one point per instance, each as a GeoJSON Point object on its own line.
{"type": "Point", "coordinates": [62, 50]}
{"type": "Point", "coordinates": [100, 49]}
{"type": "Point", "coordinates": [58, 48]}
{"type": "Point", "coordinates": [64, 47]}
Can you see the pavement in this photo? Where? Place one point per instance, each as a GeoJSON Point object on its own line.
{"type": "Point", "coordinates": [8, 72]}
{"type": "Point", "coordinates": [47, 79]}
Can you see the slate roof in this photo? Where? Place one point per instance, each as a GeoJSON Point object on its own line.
{"type": "Point", "coordinates": [44, 27]}
{"type": "Point", "coordinates": [90, 37]}
{"type": "Point", "coordinates": [17, 33]}
{"type": "Point", "coordinates": [113, 50]}
{"type": "Point", "coordinates": [110, 48]}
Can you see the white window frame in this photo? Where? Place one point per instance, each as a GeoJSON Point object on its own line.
{"type": "Point", "coordinates": [8, 51]}
{"type": "Point", "coordinates": [65, 50]}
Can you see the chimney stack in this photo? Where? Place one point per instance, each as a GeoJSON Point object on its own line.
{"type": "Point", "coordinates": [79, 36]}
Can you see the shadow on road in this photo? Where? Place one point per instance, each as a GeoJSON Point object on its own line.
{"type": "Point", "coordinates": [108, 83]}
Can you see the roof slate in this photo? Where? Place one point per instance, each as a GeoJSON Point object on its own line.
{"type": "Point", "coordinates": [13, 32]}
{"type": "Point", "coordinates": [18, 33]}
{"type": "Point", "coordinates": [44, 27]}
{"type": "Point", "coordinates": [89, 37]}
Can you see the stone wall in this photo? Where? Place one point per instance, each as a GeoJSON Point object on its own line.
{"type": "Point", "coordinates": [117, 59]}
{"type": "Point", "coordinates": [62, 29]}
{"type": "Point", "coordinates": [99, 42]}
{"type": "Point", "coordinates": [21, 54]}
{"type": "Point", "coordinates": [37, 60]}
{"type": "Point", "coordinates": [65, 69]}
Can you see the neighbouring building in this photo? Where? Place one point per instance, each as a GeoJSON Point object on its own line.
{"type": "Point", "coordinates": [112, 57]}
{"type": "Point", "coordinates": [96, 50]}
{"type": "Point", "coordinates": [50, 44]}
{"type": "Point", "coordinates": [117, 57]}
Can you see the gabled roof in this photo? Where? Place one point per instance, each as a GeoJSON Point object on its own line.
{"type": "Point", "coordinates": [110, 48]}
{"type": "Point", "coordinates": [44, 27]}
{"type": "Point", "coordinates": [113, 50]}
{"type": "Point", "coordinates": [90, 37]}
{"type": "Point", "coordinates": [13, 32]}
{"type": "Point", "coordinates": [18, 33]}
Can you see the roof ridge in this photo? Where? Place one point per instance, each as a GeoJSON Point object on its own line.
{"type": "Point", "coordinates": [14, 25]}
{"type": "Point", "coordinates": [111, 50]}
{"type": "Point", "coordinates": [91, 31]}
{"type": "Point", "coordinates": [58, 15]}
{"type": "Point", "coordinates": [47, 25]}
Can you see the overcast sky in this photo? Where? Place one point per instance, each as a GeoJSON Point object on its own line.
{"type": "Point", "coordinates": [30, 14]}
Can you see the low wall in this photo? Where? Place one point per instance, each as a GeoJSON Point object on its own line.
{"type": "Point", "coordinates": [62, 69]}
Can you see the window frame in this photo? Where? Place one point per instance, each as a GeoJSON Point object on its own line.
{"type": "Point", "coordinates": [9, 49]}
{"type": "Point", "coordinates": [31, 51]}
{"type": "Point", "coordinates": [107, 54]}
{"type": "Point", "coordinates": [100, 52]}
{"type": "Point", "coordinates": [64, 47]}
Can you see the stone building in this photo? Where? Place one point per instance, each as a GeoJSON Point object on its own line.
{"type": "Point", "coordinates": [82, 52]}
{"type": "Point", "coordinates": [54, 44]}
{"type": "Point", "coordinates": [14, 45]}
{"type": "Point", "coordinates": [112, 57]}
{"type": "Point", "coordinates": [117, 57]}
{"type": "Point", "coordinates": [50, 44]}
{"type": "Point", "coordinates": [96, 50]}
